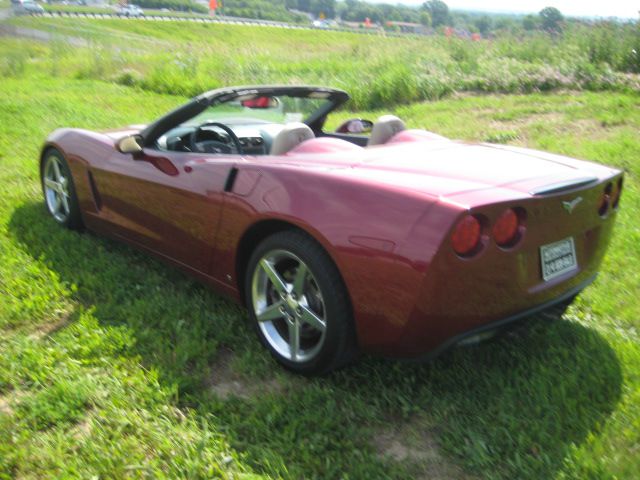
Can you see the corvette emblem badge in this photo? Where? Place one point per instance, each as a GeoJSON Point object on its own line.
{"type": "Point", "coordinates": [569, 206]}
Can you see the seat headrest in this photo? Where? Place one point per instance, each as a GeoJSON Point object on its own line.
{"type": "Point", "coordinates": [385, 128]}
{"type": "Point", "coordinates": [291, 135]}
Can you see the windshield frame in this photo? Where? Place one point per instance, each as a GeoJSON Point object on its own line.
{"type": "Point", "coordinates": [199, 104]}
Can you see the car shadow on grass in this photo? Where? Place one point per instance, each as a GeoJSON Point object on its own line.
{"type": "Point", "coordinates": [516, 407]}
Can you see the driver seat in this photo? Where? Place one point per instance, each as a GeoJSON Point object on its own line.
{"type": "Point", "coordinates": [292, 135]}
{"type": "Point", "coordinates": [385, 128]}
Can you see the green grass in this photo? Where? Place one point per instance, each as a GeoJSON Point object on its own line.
{"type": "Point", "coordinates": [171, 57]}
{"type": "Point", "coordinates": [115, 365]}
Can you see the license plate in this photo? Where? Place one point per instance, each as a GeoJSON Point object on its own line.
{"type": "Point", "coordinates": [558, 258]}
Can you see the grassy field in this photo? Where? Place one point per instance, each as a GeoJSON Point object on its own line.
{"type": "Point", "coordinates": [115, 365]}
{"type": "Point", "coordinates": [171, 57]}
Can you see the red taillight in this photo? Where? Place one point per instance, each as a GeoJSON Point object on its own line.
{"type": "Point", "coordinates": [466, 235]}
{"type": "Point", "coordinates": [505, 230]}
{"type": "Point", "coordinates": [605, 201]}
{"type": "Point", "coordinates": [616, 196]}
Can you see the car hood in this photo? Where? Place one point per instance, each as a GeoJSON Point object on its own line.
{"type": "Point", "coordinates": [445, 168]}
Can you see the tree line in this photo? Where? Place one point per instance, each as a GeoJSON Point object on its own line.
{"type": "Point", "coordinates": [432, 13]}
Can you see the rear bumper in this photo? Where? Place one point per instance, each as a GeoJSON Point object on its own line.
{"type": "Point", "coordinates": [456, 298]}
{"type": "Point", "coordinates": [504, 322]}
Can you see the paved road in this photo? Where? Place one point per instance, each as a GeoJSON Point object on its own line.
{"type": "Point", "coordinates": [13, 31]}
{"type": "Point", "coordinates": [226, 20]}
{"type": "Point", "coordinates": [8, 30]}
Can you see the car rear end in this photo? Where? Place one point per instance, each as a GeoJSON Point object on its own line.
{"type": "Point", "coordinates": [504, 260]}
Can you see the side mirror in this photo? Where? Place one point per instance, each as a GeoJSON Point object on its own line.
{"type": "Point", "coordinates": [355, 125]}
{"type": "Point", "coordinates": [130, 144]}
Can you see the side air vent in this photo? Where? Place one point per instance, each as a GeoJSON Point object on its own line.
{"type": "Point", "coordinates": [94, 192]}
{"type": "Point", "coordinates": [231, 179]}
{"type": "Point", "coordinates": [562, 186]}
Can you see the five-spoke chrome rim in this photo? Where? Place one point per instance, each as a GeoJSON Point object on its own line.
{"type": "Point", "coordinates": [56, 188]}
{"type": "Point", "coordinates": [289, 306]}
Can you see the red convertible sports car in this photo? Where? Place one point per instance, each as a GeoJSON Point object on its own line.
{"type": "Point", "coordinates": [370, 238]}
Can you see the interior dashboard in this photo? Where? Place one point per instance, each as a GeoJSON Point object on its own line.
{"type": "Point", "coordinates": [254, 139]}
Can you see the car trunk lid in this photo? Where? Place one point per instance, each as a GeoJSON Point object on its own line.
{"type": "Point", "coordinates": [458, 170]}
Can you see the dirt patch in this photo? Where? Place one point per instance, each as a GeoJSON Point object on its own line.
{"type": "Point", "coordinates": [420, 448]}
{"type": "Point", "coordinates": [48, 329]}
{"type": "Point", "coordinates": [226, 383]}
{"type": "Point", "coordinates": [591, 129]}
{"type": "Point", "coordinates": [559, 121]}
{"type": "Point", "coordinates": [527, 119]}
{"type": "Point", "coordinates": [82, 430]}
{"type": "Point", "coordinates": [5, 408]}
{"type": "Point", "coordinates": [9, 400]}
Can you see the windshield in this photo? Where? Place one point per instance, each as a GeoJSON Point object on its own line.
{"type": "Point", "coordinates": [255, 110]}
{"type": "Point", "coordinates": [243, 119]}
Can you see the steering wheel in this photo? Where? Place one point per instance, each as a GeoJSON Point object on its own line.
{"type": "Point", "coordinates": [214, 146]}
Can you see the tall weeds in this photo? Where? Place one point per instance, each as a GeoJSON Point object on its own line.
{"type": "Point", "coordinates": [168, 57]}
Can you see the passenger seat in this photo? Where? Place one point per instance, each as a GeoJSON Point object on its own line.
{"type": "Point", "coordinates": [385, 128]}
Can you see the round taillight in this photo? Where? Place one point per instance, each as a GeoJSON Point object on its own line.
{"type": "Point", "coordinates": [603, 206]}
{"type": "Point", "coordinates": [466, 236]}
{"type": "Point", "coordinates": [616, 196]}
{"type": "Point", "coordinates": [505, 230]}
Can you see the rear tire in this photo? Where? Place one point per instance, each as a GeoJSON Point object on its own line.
{"type": "Point", "coordinates": [59, 190]}
{"type": "Point", "coordinates": [299, 305]}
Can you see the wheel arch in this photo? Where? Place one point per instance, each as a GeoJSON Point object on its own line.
{"type": "Point", "coordinates": [50, 145]}
{"type": "Point", "coordinates": [46, 148]}
{"type": "Point", "coordinates": [264, 228]}
{"type": "Point", "coordinates": [75, 217]}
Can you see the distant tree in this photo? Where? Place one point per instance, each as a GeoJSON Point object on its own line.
{"type": "Point", "coordinates": [304, 5]}
{"type": "Point", "coordinates": [530, 22]}
{"type": "Point", "coordinates": [180, 5]}
{"type": "Point", "coordinates": [358, 11]}
{"type": "Point", "coordinates": [551, 19]}
{"type": "Point", "coordinates": [483, 24]}
{"type": "Point", "coordinates": [425, 18]}
{"type": "Point", "coordinates": [326, 7]}
{"type": "Point", "coordinates": [502, 23]}
{"type": "Point", "coordinates": [438, 10]}
{"type": "Point", "coordinates": [263, 9]}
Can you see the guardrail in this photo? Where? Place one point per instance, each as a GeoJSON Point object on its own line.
{"type": "Point", "coordinates": [225, 20]}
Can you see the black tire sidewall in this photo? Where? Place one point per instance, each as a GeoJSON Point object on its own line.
{"type": "Point", "coordinates": [339, 337]}
{"type": "Point", "coordinates": [74, 219]}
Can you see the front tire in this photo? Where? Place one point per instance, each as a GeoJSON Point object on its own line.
{"type": "Point", "coordinates": [59, 190]}
{"type": "Point", "coordinates": [299, 304]}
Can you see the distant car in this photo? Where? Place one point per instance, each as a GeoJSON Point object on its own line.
{"type": "Point", "coordinates": [324, 23]}
{"type": "Point", "coordinates": [130, 11]}
{"type": "Point", "coordinates": [372, 237]}
{"type": "Point", "coordinates": [27, 8]}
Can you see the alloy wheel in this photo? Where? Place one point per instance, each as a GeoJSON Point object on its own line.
{"type": "Point", "coordinates": [289, 306]}
{"type": "Point", "coordinates": [56, 189]}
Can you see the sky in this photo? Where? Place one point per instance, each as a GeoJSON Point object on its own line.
{"type": "Point", "coordinates": [587, 8]}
